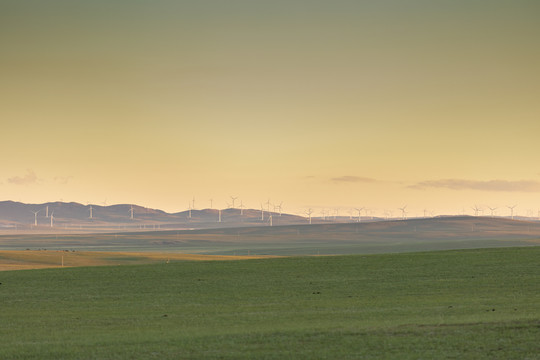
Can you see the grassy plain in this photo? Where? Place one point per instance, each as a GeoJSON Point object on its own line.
{"type": "Point", "coordinates": [470, 304]}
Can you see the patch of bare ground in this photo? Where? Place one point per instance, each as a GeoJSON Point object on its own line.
{"type": "Point", "coordinates": [41, 259]}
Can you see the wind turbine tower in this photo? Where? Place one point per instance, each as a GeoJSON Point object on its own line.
{"type": "Point", "coordinates": [219, 215]}
{"type": "Point", "coordinates": [131, 211]}
{"type": "Point", "coordinates": [47, 211]}
{"type": "Point", "coordinates": [359, 213]}
{"type": "Point", "coordinates": [233, 198]}
{"type": "Point", "coordinates": [35, 217]}
{"type": "Point", "coordinates": [403, 212]}
{"type": "Point", "coordinates": [262, 212]}
{"type": "Point", "coordinates": [211, 200]}
{"type": "Point", "coordinates": [241, 208]}
{"type": "Point", "coordinates": [52, 218]}
{"type": "Point", "coordinates": [512, 211]}
{"type": "Point", "coordinates": [369, 213]}
{"type": "Point", "coordinates": [309, 212]}
{"type": "Point", "coordinates": [90, 211]}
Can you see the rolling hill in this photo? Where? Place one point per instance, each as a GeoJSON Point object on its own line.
{"type": "Point", "coordinates": [75, 217]}
{"type": "Point", "coordinates": [318, 239]}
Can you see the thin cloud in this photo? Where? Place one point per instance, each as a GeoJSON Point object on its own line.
{"type": "Point", "coordinates": [63, 179]}
{"type": "Point", "coordinates": [490, 185]}
{"type": "Point", "coordinates": [353, 179]}
{"type": "Point", "coordinates": [28, 179]}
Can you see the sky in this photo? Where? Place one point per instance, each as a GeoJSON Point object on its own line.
{"type": "Point", "coordinates": [317, 104]}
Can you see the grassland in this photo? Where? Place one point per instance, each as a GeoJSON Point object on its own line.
{"type": "Point", "coordinates": [472, 304]}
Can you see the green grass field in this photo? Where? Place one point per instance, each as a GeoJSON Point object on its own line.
{"type": "Point", "coordinates": [470, 304]}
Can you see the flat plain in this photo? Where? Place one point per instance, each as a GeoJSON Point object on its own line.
{"type": "Point", "coordinates": [471, 304]}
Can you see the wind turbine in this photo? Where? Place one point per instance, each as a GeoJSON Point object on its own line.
{"type": "Point", "coordinates": [403, 212]}
{"type": "Point", "coordinates": [369, 213]}
{"type": "Point", "coordinates": [323, 211]}
{"type": "Point", "coordinates": [279, 207]}
{"type": "Point", "coordinates": [189, 216]}
{"type": "Point", "coordinates": [262, 212]}
{"type": "Point", "coordinates": [309, 212]}
{"type": "Point", "coordinates": [131, 211]}
{"type": "Point", "coordinates": [511, 211]}
{"type": "Point", "coordinates": [47, 211]}
{"type": "Point", "coordinates": [35, 216]}
{"type": "Point", "coordinates": [233, 199]}
{"type": "Point", "coordinates": [241, 208]}
{"type": "Point", "coordinates": [90, 211]}
{"type": "Point", "coordinates": [52, 218]}
{"type": "Point", "coordinates": [492, 210]}
{"type": "Point", "coordinates": [359, 213]}
{"type": "Point", "coordinates": [219, 216]}
{"type": "Point", "coordinates": [476, 210]}
{"type": "Point", "coordinates": [270, 219]}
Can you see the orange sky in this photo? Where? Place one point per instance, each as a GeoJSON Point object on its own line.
{"type": "Point", "coordinates": [317, 104]}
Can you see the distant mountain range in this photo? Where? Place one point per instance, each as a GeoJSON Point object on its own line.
{"type": "Point", "coordinates": [76, 216]}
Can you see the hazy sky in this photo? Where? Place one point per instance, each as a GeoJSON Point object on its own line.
{"type": "Point", "coordinates": [344, 103]}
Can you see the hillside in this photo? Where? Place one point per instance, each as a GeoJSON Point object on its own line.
{"type": "Point", "coordinates": [75, 217]}
{"type": "Point", "coordinates": [317, 239]}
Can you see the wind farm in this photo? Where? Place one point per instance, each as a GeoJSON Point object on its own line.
{"type": "Point", "coordinates": [234, 231]}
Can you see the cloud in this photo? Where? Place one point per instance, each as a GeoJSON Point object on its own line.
{"type": "Point", "coordinates": [63, 179]}
{"type": "Point", "coordinates": [28, 179]}
{"type": "Point", "coordinates": [353, 179]}
{"type": "Point", "coordinates": [490, 185]}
